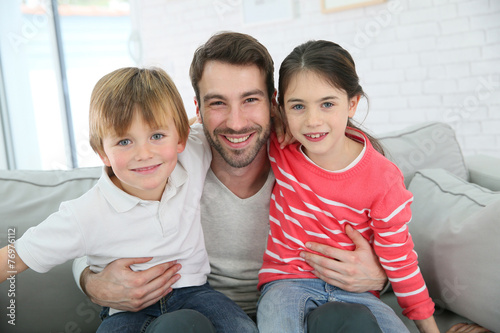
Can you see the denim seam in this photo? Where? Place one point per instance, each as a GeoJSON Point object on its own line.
{"type": "Point", "coordinates": [146, 324]}
{"type": "Point", "coordinates": [304, 301]}
{"type": "Point", "coordinates": [163, 302]}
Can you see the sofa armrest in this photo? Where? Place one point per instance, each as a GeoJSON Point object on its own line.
{"type": "Point", "coordinates": [484, 170]}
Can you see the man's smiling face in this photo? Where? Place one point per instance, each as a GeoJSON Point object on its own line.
{"type": "Point", "coordinates": [235, 111]}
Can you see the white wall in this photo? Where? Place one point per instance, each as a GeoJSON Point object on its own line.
{"type": "Point", "coordinates": [427, 60]}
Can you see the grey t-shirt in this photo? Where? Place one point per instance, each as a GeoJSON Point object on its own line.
{"type": "Point", "coordinates": [235, 236]}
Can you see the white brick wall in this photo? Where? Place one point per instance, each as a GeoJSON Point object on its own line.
{"type": "Point", "coordinates": [433, 60]}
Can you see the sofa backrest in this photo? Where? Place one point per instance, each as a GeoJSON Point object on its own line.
{"type": "Point", "coordinates": [425, 146]}
{"type": "Point", "coordinates": [38, 302]}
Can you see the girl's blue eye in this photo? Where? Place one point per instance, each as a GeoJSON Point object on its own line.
{"type": "Point", "coordinates": [157, 136]}
{"type": "Point", "coordinates": [124, 142]}
{"type": "Point", "coordinates": [298, 107]}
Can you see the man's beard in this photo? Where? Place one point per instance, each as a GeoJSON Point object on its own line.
{"type": "Point", "coordinates": [237, 158]}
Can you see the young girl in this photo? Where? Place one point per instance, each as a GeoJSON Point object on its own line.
{"type": "Point", "coordinates": [335, 177]}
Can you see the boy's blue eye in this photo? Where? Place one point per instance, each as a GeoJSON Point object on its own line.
{"type": "Point", "coordinates": [157, 136]}
{"type": "Point", "coordinates": [327, 105]}
{"type": "Point", "coordinates": [123, 142]}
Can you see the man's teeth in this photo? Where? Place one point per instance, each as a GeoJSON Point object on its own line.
{"type": "Point", "coordinates": [237, 140]}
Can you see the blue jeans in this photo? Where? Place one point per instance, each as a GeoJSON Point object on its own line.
{"type": "Point", "coordinates": [223, 313]}
{"type": "Point", "coordinates": [285, 304]}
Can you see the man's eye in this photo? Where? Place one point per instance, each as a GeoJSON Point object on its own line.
{"type": "Point", "coordinates": [157, 136]}
{"type": "Point", "coordinates": [251, 99]}
{"type": "Point", "coordinates": [124, 142]}
{"type": "Point", "coordinates": [217, 103]}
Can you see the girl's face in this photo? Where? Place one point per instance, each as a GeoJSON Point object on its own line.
{"type": "Point", "coordinates": [317, 115]}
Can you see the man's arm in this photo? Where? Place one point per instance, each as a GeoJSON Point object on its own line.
{"type": "Point", "coordinates": [119, 287]}
{"type": "Point", "coordinates": [354, 271]}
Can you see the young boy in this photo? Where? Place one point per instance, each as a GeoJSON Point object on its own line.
{"type": "Point", "coordinates": [144, 205]}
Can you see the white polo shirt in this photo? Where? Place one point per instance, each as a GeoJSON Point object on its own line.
{"type": "Point", "coordinates": [106, 223]}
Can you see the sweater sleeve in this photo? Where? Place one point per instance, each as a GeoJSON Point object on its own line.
{"type": "Point", "coordinates": [394, 247]}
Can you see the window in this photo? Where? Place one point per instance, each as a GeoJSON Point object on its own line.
{"type": "Point", "coordinates": [49, 65]}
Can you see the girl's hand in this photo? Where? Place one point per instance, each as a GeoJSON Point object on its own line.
{"type": "Point", "coordinates": [427, 325]}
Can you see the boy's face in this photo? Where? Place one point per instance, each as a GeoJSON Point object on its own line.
{"type": "Point", "coordinates": [235, 111]}
{"type": "Point", "coordinates": [143, 158]}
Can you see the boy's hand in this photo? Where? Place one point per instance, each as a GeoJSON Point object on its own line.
{"type": "Point", "coordinates": [119, 287]}
{"type": "Point", "coordinates": [355, 271]}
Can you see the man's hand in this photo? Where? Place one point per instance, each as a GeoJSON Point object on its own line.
{"type": "Point", "coordinates": [119, 287]}
{"type": "Point", "coordinates": [194, 120]}
{"type": "Point", "coordinates": [354, 271]}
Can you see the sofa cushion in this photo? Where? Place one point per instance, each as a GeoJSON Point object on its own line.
{"type": "Point", "coordinates": [27, 198]}
{"type": "Point", "coordinates": [456, 230]}
{"type": "Point", "coordinates": [430, 145]}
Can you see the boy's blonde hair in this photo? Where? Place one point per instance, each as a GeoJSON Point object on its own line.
{"type": "Point", "coordinates": [118, 95]}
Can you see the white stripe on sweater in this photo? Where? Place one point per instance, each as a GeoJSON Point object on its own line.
{"type": "Point", "coordinates": [272, 270]}
{"type": "Point", "coordinates": [392, 233]}
{"type": "Point", "coordinates": [397, 210]}
{"type": "Point", "coordinates": [403, 258]}
{"type": "Point", "coordinates": [409, 276]}
{"type": "Point", "coordinates": [389, 245]}
{"type": "Point", "coordinates": [285, 260]}
{"type": "Point", "coordinates": [411, 293]}
{"type": "Point", "coordinates": [393, 269]}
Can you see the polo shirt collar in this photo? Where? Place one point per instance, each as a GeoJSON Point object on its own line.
{"type": "Point", "coordinates": [122, 201]}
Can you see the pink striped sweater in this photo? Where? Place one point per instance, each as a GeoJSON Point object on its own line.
{"type": "Point", "coordinates": [311, 204]}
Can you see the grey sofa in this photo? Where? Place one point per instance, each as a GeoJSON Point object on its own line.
{"type": "Point", "coordinates": [458, 275]}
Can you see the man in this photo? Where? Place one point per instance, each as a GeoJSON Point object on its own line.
{"type": "Point", "coordinates": [232, 75]}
